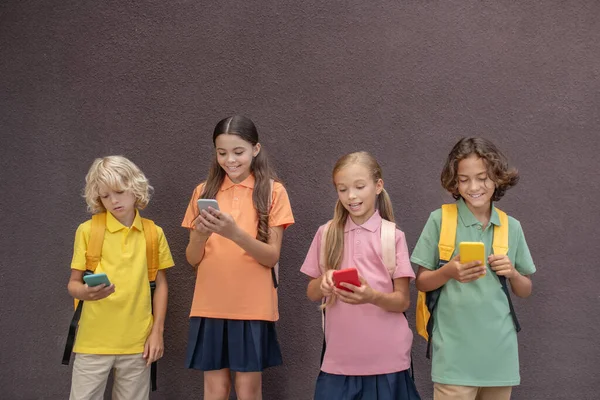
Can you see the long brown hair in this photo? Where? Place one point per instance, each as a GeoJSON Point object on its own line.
{"type": "Point", "coordinates": [496, 163]}
{"type": "Point", "coordinates": [334, 241]}
{"type": "Point", "coordinates": [259, 167]}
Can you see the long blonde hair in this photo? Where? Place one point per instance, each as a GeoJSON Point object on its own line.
{"type": "Point", "coordinates": [334, 239]}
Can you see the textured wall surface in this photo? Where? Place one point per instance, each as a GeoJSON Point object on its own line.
{"type": "Point", "coordinates": [401, 79]}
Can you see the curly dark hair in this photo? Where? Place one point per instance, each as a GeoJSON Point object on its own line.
{"type": "Point", "coordinates": [503, 176]}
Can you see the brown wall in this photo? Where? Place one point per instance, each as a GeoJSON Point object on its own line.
{"type": "Point", "coordinates": [401, 79]}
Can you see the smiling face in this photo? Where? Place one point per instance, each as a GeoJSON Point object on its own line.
{"type": "Point", "coordinates": [235, 155]}
{"type": "Point", "coordinates": [474, 184]}
{"type": "Point", "coordinates": [357, 191]}
{"type": "Point", "coordinates": [120, 203]}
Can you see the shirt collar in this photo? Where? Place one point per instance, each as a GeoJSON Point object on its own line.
{"type": "Point", "coordinates": [113, 224]}
{"type": "Point", "coordinates": [371, 225]}
{"type": "Point", "coordinates": [467, 217]}
{"type": "Point", "coordinates": [248, 182]}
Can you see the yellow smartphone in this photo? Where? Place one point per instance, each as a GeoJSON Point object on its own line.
{"type": "Point", "coordinates": [472, 251]}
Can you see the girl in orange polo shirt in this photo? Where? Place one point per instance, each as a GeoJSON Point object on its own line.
{"type": "Point", "coordinates": [235, 250]}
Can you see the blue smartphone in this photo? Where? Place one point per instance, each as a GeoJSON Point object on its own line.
{"type": "Point", "coordinates": [96, 279]}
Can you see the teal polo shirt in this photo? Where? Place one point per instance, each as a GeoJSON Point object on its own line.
{"type": "Point", "coordinates": [474, 342]}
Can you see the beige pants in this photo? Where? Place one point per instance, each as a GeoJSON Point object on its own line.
{"type": "Point", "coordinates": [131, 380]}
{"type": "Point", "coordinates": [453, 392]}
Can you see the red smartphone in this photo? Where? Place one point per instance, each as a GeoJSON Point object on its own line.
{"type": "Point", "coordinates": [348, 275]}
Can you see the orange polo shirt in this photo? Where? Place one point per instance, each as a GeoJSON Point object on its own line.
{"type": "Point", "coordinates": [230, 284]}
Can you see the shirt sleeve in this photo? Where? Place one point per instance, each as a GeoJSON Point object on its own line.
{"type": "Point", "coordinates": [82, 237]}
{"type": "Point", "coordinates": [426, 253]}
{"type": "Point", "coordinates": [403, 267]}
{"type": "Point", "coordinates": [192, 210]}
{"type": "Point", "coordinates": [280, 213]}
{"type": "Point", "coordinates": [523, 260]}
{"type": "Point", "coordinates": [311, 266]}
{"type": "Point", "coordinates": [165, 259]}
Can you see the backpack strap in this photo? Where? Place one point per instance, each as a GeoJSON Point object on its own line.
{"type": "Point", "coordinates": [92, 259]}
{"type": "Point", "coordinates": [500, 243]}
{"type": "Point", "coordinates": [151, 236]}
{"type": "Point", "coordinates": [388, 245]}
{"type": "Point", "coordinates": [152, 261]}
{"type": "Point", "coordinates": [426, 302]}
{"type": "Point", "coordinates": [94, 248]}
{"type": "Point", "coordinates": [448, 232]}
{"type": "Point", "coordinates": [322, 264]}
{"type": "Point", "coordinates": [388, 253]}
{"type": "Point", "coordinates": [500, 247]}
{"type": "Point", "coordinates": [275, 269]}
{"type": "Point", "coordinates": [322, 254]}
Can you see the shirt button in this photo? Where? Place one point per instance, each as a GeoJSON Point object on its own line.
{"type": "Point", "coordinates": [235, 198]}
{"type": "Point", "coordinates": [358, 242]}
{"type": "Point", "coordinates": [479, 227]}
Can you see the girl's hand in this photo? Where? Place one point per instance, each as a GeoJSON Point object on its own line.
{"type": "Point", "coordinates": [502, 266]}
{"type": "Point", "coordinates": [200, 228]}
{"type": "Point", "coordinates": [327, 283]}
{"type": "Point", "coordinates": [464, 273]}
{"type": "Point", "coordinates": [154, 347]}
{"type": "Point", "coordinates": [92, 293]}
{"type": "Point", "coordinates": [359, 295]}
{"type": "Point", "coordinates": [220, 223]}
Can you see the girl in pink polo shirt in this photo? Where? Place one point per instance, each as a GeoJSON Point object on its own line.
{"type": "Point", "coordinates": [234, 250]}
{"type": "Point", "coordinates": [368, 341]}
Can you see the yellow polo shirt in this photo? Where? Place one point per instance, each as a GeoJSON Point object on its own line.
{"type": "Point", "coordinates": [120, 323]}
{"type": "Point", "coordinates": [230, 283]}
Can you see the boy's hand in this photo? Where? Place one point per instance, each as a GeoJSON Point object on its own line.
{"type": "Point", "coordinates": [154, 347]}
{"type": "Point", "coordinates": [91, 293]}
{"type": "Point", "coordinates": [362, 294]}
{"type": "Point", "coordinates": [502, 266]}
{"type": "Point", "coordinates": [327, 283]}
{"type": "Point", "coordinates": [464, 273]}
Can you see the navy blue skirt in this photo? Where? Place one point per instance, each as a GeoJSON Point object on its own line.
{"type": "Point", "coordinates": [393, 386]}
{"type": "Point", "coordinates": [243, 346]}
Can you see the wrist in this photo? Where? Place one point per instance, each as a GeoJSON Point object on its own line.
{"type": "Point", "coordinates": [446, 271]}
{"type": "Point", "coordinates": [375, 297]}
{"type": "Point", "coordinates": [514, 275]}
{"type": "Point", "coordinates": [158, 329]}
{"type": "Point", "coordinates": [237, 235]}
{"type": "Point", "coordinates": [199, 238]}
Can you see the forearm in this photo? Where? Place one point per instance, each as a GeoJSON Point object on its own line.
{"type": "Point", "coordinates": [428, 280]}
{"type": "Point", "coordinates": [75, 289]}
{"type": "Point", "coordinates": [159, 303]}
{"type": "Point", "coordinates": [521, 285]}
{"type": "Point", "coordinates": [266, 254]}
{"type": "Point", "coordinates": [392, 302]}
{"type": "Point", "coordinates": [194, 251]}
{"type": "Point", "coordinates": [75, 286]}
{"type": "Point", "coordinates": [313, 291]}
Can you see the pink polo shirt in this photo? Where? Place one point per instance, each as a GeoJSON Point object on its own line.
{"type": "Point", "coordinates": [365, 339]}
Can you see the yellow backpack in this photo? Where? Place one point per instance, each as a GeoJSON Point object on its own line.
{"type": "Point", "coordinates": [426, 302]}
{"type": "Point", "coordinates": [92, 259]}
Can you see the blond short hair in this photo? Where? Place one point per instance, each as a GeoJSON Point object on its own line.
{"type": "Point", "coordinates": [117, 173]}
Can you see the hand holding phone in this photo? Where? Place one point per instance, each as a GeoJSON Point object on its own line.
{"type": "Point", "coordinates": [93, 289]}
{"type": "Point", "coordinates": [472, 251]}
{"type": "Point", "coordinates": [348, 275]}
{"type": "Point", "coordinates": [96, 279]}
